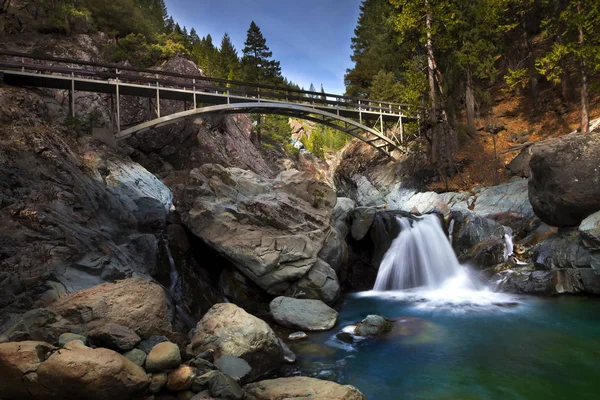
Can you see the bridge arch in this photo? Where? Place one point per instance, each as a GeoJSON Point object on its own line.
{"type": "Point", "coordinates": [353, 128]}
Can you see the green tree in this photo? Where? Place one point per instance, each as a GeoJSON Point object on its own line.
{"type": "Point", "coordinates": [257, 64]}
{"type": "Point", "coordinates": [228, 61]}
{"type": "Point", "coordinates": [206, 55]}
{"type": "Point", "coordinates": [577, 22]}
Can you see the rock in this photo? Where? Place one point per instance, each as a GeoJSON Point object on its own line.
{"type": "Point", "coordinates": [311, 315]}
{"type": "Point", "coordinates": [335, 250]}
{"type": "Point", "coordinates": [229, 330]}
{"type": "Point", "coordinates": [134, 303]}
{"type": "Point", "coordinates": [207, 355]}
{"type": "Point", "coordinates": [519, 166]}
{"type": "Point", "coordinates": [202, 366]}
{"type": "Point", "coordinates": [563, 188]}
{"type": "Point", "coordinates": [374, 325]}
{"type": "Point", "coordinates": [69, 206]}
{"type": "Point", "coordinates": [39, 324]}
{"type": "Point", "coordinates": [158, 382]}
{"type": "Point", "coordinates": [77, 371]}
{"type": "Point", "coordinates": [544, 282]}
{"type": "Point", "coordinates": [301, 387]}
{"type": "Point", "coordinates": [136, 356]}
{"type": "Point", "coordinates": [270, 229]}
{"type": "Point", "coordinates": [235, 367]}
{"type": "Point", "coordinates": [113, 336]}
{"type": "Point", "coordinates": [589, 231]}
{"type": "Point", "coordinates": [563, 251]}
{"type": "Point", "coordinates": [362, 219]}
{"type": "Point", "coordinates": [471, 229]}
{"type": "Point", "coordinates": [223, 386]}
{"type": "Point", "coordinates": [164, 356]}
{"type": "Point", "coordinates": [185, 395]}
{"type": "Point", "coordinates": [345, 337]}
{"type": "Point", "coordinates": [67, 337]}
{"type": "Point", "coordinates": [203, 395]}
{"type": "Point", "coordinates": [485, 254]}
{"type": "Point", "coordinates": [148, 344]}
{"type": "Point", "coordinates": [321, 282]}
{"type": "Point", "coordinates": [297, 336]}
{"type": "Point", "coordinates": [181, 378]}
{"type": "Point", "coordinates": [18, 364]}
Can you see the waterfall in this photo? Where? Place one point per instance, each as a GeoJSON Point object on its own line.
{"type": "Point", "coordinates": [508, 241]}
{"type": "Point", "coordinates": [420, 267]}
{"type": "Point", "coordinates": [421, 256]}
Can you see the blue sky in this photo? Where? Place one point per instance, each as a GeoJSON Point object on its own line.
{"type": "Point", "coordinates": [311, 38]}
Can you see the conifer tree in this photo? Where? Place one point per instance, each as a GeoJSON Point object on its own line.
{"type": "Point", "coordinates": [257, 64]}
{"type": "Point", "coordinates": [228, 63]}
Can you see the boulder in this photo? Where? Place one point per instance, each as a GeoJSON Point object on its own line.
{"type": "Point", "coordinates": [271, 230]}
{"type": "Point", "coordinates": [589, 231]}
{"type": "Point", "coordinates": [229, 330]}
{"type": "Point", "coordinates": [164, 356]}
{"type": "Point", "coordinates": [301, 387]}
{"type": "Point", "coordinates": [373, 325]}
{"type": "Point", "coordinates": [148, 344]}
{"type": "Point", "coordinates": [470, 230]}
{"type": "Point", "coordinates": [77, 372]}
{"type": "Point", "coordinates": [134, 303]}
{"type": "Point", "coordinates": [552, 282]}
{"type": "Point", "coordinates": [114, 336]}
{"type": "Point", "coordinates": [321, 282]}
{"type": "Point", "coordinates": [564, 251]}
{"type": "Point", "coordinates": [235, 367]}
{"type": "Point", "coordinates": [39, 324]}
{"type": "Point", "coordinates": [310, 315]}
{"type": "Point", "coordinates": [68, 337]}
{"type": "Point", "coordinates": [563, 188]}
{"type": "Point", "coordinates": [222, 386]}
{"type": "Point", "coordinates": [18, 364]}
{"type": "Point", "coordinates": [157, 382]}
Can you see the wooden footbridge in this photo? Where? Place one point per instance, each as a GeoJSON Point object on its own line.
{"type": "Point", "coordinates": [367, 120]}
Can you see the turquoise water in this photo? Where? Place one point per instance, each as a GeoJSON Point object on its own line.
{"type": "Point", "coordinates": [539, 348]}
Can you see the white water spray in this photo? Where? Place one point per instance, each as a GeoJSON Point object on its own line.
{"type": "Point", "coordinates": [508, 241]}
{"type": "Point", "coordinates": [421, 266]}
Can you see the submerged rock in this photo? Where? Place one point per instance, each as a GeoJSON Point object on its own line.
{"type": "Point", "coordinates": [374, 325]}
{"type": "Point", "coordinates": [301, 387]}
{"type": "Point", "coordinates": [229, 330]}
{"type": "Point", "coordinates": [310, 315]}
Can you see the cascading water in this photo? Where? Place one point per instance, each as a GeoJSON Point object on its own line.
{"type": "Point", "coordinates": [508, 243]}
{"type": "Point", "coordinates": [175, 290]}
{"type": "Point", "coordinates": [421, 266]}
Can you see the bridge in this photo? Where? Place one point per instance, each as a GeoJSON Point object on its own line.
{"type": "Point", "coordinates": [367, 120]}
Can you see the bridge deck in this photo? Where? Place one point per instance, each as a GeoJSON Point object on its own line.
{"type": "Point", "coordinates": [204, 95]}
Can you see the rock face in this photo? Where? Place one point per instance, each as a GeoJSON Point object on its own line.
{"type": "Point", "coordinates": [301, 387]}
{"type": "Point", "coordinates": [74, 212]}
{"type": "Point", "coordinates": [134, 303]}
{"type": "Point", "coordinates": [310, 315]}
{"type": "Point", "coordinates": [477, 239]}
{"type": "Point", "coordinates": [78, 371]}
{"type": "Point", "coordinates": [564, 187]}
{"type": "Point", "coordinates": [271, 229]}
{"type": "Point", "coordinates": [229, 330]}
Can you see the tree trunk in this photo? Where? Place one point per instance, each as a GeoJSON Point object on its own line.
{"type": "Point", "coordinates": [585, 112]}
{"type": "Point", "coordinates": [430, 63]}
{"type": "Point", "coordinates": [470, 103]}
{"type": "Point", "coordinates": [533, 74]}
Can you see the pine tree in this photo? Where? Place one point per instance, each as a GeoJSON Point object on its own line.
{"type": "Point", "coordinates": [256, 61]}
{"type": "Point", "coordinates": [228, 63]}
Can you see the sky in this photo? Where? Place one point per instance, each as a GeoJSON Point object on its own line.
{"type": "Point", "coordinates": [311, 38]}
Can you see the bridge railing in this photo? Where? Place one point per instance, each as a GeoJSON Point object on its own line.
{"type": "Point", "coordinates": [196, 83]}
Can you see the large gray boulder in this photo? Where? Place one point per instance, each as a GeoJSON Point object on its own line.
{"type": "Point", "coordinates": [271, 229]}
{"type": "Point", "coordinates": [589, 231]}
{"type": "Point", "coordinates": [564, 185]}
{"type": "Point", "coordinates": [229, 330]}
{"type": "Point", "coordinates": [309, 315]}
{"type": "Point", "coordinates": [321, 282]}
